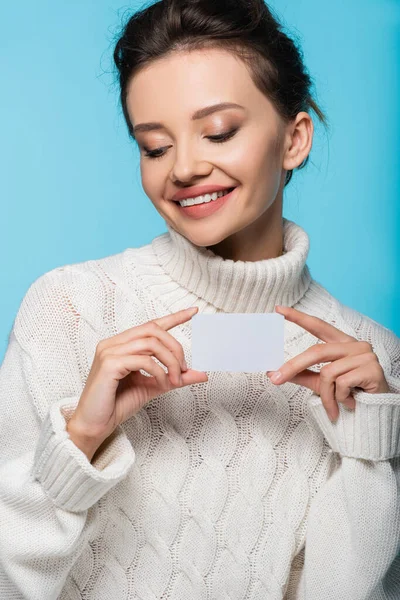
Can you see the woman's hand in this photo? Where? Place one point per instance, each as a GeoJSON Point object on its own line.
{"type": "Point", "coordinates": [116, 390]}
{"type": "Point", "coordinates": [353, 364]}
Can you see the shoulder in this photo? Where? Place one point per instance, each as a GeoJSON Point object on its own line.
{"type": "Point", "coordinates": [368, 329]}
{"type": "Point", "coordinates": [80, 289]}
{"type": "Point", "coordinates": [353, 321]}
{"type": "Point", "coordinates": [385, 343]}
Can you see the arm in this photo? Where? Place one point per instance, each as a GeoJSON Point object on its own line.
{"type": "Point", "coordinates": [353, 535]}
{"type": "Point", "coordinates": [48, 487]}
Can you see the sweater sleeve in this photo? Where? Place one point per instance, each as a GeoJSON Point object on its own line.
{"type": "Point", "coordinates": [353, 533]}
{"type": "Point", "coordinates": [372, 430]}
{"type": "Point", "coordinates": [48, 487]}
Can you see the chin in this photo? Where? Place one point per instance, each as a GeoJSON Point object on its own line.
{"type": "Point", "coordinates": [202, 238]}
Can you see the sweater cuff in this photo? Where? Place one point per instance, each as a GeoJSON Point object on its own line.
{"type": "Point", "coordinates": [393, 383]}
{"type": "Point", "coordinates": [371, 431]}
{"type": "Point", "coordinates": [64, 471]}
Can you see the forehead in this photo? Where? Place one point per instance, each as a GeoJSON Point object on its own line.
{"type": "Point", "coordinates": [185, 81]}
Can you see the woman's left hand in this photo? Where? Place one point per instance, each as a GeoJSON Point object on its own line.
{"type": "Point", "coordinates": [353, 364]}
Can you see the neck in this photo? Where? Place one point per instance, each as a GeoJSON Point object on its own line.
{"type": "Point", "coordinates": [232, 285]}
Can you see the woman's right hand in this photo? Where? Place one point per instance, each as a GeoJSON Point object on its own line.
{"type": "Point", "coordinates": [115, 389]}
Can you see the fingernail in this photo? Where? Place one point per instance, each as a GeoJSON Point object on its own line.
{"type": "Point", "coordinates": [276, 376]}
{"type": "Point", "coordinates": [185, 365]}
{"type": "Point", "coordinates": [333, 419]}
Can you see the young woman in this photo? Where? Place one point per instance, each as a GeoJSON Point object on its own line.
{"type": "Point", "coordinates": [126, 474]}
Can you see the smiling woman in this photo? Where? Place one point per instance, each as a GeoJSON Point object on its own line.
{"type": "Point", "coordinates": [125, 473]}
{"type": "Point", "coordinates": [242, 121]}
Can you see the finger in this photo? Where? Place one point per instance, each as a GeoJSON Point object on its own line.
{"type": "Point", "coordinates": [120, 366]}
{"type": "Point", "coordinates": [344, 384]}
{"type": "Point", "coordinates": [327, 395]}
{"type": "Point", "coordinates": [349, 402]}
{"type": "Point", "coordinates": [362, 377]}
{"type": "Point", "coordinates": [319, 353]}
{"type": "Point", "coordinates": [342, 373]}
{"type": "Point", "coordinates": [192, 376]}
{"type": "Point", "coordinates": [151, 327]}
{"type": "Point", "coordinates": [309, 379]}
{"type": "Point", "coordinates": [154, 347]}
{"type": "Point", "coordinates": [333, 388]}
{"type": "Point", "coordinates": [159, 380]}
{"type": "Point", "coordinates": [318, 327]}
{"type": "Point", "coordinates": [170, 321]}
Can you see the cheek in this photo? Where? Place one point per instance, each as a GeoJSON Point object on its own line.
{"type": "Point", "coordinates": [151, 181]}
{"type": "Point", "coordinates": [258, 157]}
{"type": "Point", "coordinates": [261, 168]}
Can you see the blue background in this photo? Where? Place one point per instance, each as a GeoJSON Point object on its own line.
{"type": "Point", "coordinates": [70, 178]}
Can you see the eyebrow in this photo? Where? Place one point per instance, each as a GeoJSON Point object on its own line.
{"type": "Point", "coordinates": [198, 114]}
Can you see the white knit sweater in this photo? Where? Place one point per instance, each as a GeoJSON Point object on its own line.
{"type": "Point", "coordinates": [229, 489]}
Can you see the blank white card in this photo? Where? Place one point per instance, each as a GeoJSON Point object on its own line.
{"type": "Point", "coordinates": [240, 342]}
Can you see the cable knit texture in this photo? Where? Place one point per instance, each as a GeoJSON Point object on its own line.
{"type": "Point", "coordinates": [229, 489]}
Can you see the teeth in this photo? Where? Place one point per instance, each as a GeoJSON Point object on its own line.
{"type": "Point", "coordinates": [203, 199]}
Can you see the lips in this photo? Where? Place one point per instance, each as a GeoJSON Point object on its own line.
{"type": "Point", "coordinates": [226, 189]}
{"type": "Point", "coordinates": [199, 190]}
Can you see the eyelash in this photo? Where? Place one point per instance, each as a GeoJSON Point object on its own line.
{"type": "Point", "coordinates": [217, 139]}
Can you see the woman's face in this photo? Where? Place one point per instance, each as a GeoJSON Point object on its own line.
{"type": "Point", "coordinates": [254, 158]}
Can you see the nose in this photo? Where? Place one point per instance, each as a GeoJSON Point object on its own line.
{"type": "Point", "coordinates": [188, 165]}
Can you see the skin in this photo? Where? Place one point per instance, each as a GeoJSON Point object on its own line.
{"type": "Point", "coordinates": [256, 158]}
{"type": "Point", "coordinates": [353, 364]}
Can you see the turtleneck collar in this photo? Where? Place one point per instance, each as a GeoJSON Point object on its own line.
{"type": "Point", "coordinates": [238, 286]}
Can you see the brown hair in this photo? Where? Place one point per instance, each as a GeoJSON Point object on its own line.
{"type": "Point", "coordinates": [245, 27]}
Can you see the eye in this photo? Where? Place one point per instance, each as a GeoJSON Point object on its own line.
{"type": "Point", "coordinates": [223, 137]}
{"type": "Point", "coordinates": [217, 139]}
{"type": "Point", "coordinates": [153, 153]}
